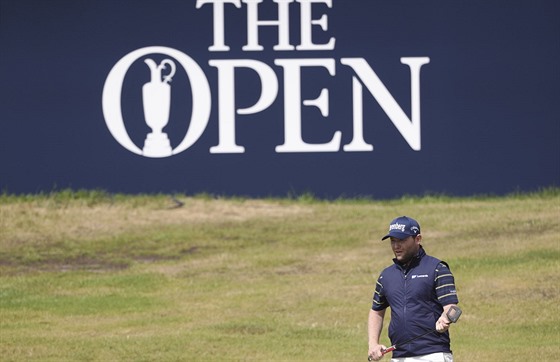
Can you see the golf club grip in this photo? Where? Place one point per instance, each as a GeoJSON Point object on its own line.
{"type": "Point", "coordinates": [387, 350]}
{"type": "Point", "coordinates": [383, 352]}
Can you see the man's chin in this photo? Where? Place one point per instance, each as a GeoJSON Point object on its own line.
{"type": "Point", "coordinates": [402, 259]}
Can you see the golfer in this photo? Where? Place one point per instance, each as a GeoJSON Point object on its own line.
{"type": "Point", "coordinates": [420, 289]}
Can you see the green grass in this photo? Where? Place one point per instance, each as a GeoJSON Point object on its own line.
{"type": "Point", "coordinates": [96, 277]}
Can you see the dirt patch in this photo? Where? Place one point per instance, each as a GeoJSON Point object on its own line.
{"type": "Point", "coordinates": [11, 267]}
{"type": "Point", "coordinates": [39, 223]}
{"type": "Point", "coordinates": [40, 236]}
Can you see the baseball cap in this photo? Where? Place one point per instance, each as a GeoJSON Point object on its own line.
{"type": "Point", "coordinates": [402, 227]}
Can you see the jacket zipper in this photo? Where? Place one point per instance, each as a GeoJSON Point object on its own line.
{"type": "Point", "coordinates": [405, 300]}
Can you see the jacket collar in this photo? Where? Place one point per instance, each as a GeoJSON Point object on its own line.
{"type": "Point", "coordinates": [415, 260]}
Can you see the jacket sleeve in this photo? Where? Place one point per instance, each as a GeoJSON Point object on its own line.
{"type": "Point", "coordinates": [379, 300]}
{"type": "Point", "coordinates": [446, 291]}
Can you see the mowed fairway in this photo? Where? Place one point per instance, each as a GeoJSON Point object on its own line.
{"type": "Point", "coordinates": [86, 276]}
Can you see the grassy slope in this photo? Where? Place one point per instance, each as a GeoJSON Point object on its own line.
{"type": "Point", "coordinates": [89, 277]}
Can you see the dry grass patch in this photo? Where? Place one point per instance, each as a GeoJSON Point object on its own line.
{"type": "Point", "coordinates": [71, 235]}
{"type": "Point", "coordinates": [29, 222]}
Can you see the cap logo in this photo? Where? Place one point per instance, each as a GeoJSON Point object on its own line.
{"type": "Point", "coordinates": [397, 226]}
{"type": "Point", "coordinates": [414, 229]}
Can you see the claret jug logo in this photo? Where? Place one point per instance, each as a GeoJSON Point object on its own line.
{"type": "Point", "coordinates": [156, 96]}
{"type": "Point", "coordinates": [156, 93]}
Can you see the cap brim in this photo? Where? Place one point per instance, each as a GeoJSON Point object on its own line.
{"type": "Point", "coordinates": [396, 234]}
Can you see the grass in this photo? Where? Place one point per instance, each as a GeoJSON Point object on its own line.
{"type": "Point", "coordinates": [91, 276]}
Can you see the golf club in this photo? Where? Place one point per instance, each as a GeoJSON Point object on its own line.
{"type": "Point", "coordinates": [453, 315]}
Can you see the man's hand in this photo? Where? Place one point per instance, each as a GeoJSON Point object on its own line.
{"type": "Point", "coordinates": [443, 322]}
{"type": "Point", "coordinates": [375, 352]}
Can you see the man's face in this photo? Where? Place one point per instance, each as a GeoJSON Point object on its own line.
{"type": "Point", "coordinates": [405, 249]}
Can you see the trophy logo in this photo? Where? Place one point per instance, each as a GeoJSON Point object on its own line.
{"type": "Point", "coordinates": [156, 96]}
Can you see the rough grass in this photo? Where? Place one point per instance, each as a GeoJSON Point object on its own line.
{"type": "Point", "coordinates": [95, 277]}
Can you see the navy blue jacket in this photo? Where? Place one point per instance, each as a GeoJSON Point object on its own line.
{"type": "Point", "coordinates": [416, 295]}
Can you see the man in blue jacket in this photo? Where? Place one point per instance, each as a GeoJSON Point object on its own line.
{"type": "Point", "coordinates": [420, 289]}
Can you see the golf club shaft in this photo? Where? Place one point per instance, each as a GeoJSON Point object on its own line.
{"type": "Point", "coordinates": [394, 346]}
{"type": "Point", "coordinates": [452, 314]}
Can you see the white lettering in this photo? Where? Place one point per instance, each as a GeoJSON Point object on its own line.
{"type": "Point", "coordinates": [226, 95]}
{"type": "Point", "coordinates": [253, 24]}
{"type": "Point", "coordinates": [409, 128]}
{"type": "Point", "coordinates": [218, 17]}
{"type": "Point", "coordinates": [292, 68]}
{"type": "Point", "coordinates": [358, 144]}
{"type": "Point", "coordinates": [293, 141]}
{"type": "Point", "coordinates": [397, 226]}
{"type": "Point", "coordinates": [306, 22]}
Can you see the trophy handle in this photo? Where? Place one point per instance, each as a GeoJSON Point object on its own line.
{"type": "Point", "coordinates": [163, 65]}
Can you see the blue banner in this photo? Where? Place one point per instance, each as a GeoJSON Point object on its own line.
{"type": "Point", "coordinates": [338, 98]}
